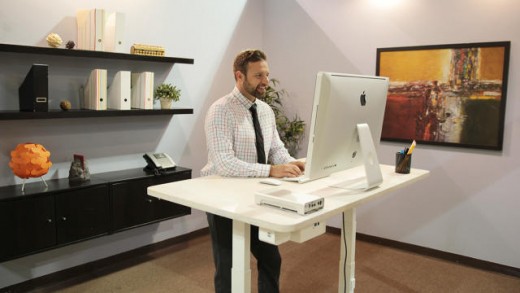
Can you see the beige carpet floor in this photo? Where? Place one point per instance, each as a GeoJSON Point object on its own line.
{"type": "Point", "coordinates": [308, 267]}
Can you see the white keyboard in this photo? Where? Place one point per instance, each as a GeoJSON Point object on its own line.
{"type": "Point", "coordinates": [299, 179]}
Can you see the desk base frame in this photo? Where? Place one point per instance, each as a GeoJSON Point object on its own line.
{"type": "Point", "coordinates": [241, 271]}
{"type": "Point", "coordinates": [347, 264]}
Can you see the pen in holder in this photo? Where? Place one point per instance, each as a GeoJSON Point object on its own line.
{"type": "Point", "coordinates": [403, 162]}
{"type": "Point", "coordinates": [403, 159]}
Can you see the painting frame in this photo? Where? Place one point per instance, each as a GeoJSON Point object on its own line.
{"type": "Point", "coordinates": [449, 95]}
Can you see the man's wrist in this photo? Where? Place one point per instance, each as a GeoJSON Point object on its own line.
{"type": "Point", "coordinates": [266, 170]}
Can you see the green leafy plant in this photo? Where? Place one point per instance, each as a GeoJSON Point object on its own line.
{"type": "Point", "coordinates": [167, 91]}
{"type": "Point", "coordinates": [291, 130]}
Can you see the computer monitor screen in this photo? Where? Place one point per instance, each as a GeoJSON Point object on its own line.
{"type": "Point", "coordinates": [346, 125]}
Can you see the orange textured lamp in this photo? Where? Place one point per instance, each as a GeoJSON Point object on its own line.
{"type": "Point", "coordinates": [30, 160]}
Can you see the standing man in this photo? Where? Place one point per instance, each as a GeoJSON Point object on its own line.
{"type": "Point", "coordinates": [242, 141]}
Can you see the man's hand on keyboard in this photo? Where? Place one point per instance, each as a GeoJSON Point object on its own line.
{"type": "Point", "coordinates": [300, 165]}
{"type": "Point", "coordinates": [286, 170]}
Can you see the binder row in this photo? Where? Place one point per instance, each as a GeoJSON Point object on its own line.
{"type": "Point", "coordinates": [128, 90]}
{"type": "Point", "coordinates": [100, 30]}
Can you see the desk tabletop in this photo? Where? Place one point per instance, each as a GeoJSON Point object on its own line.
{"type": "Point", "coordinates": [233, 197]}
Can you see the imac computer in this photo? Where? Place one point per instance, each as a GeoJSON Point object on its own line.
{"type": "Point", "coordinates": [346, 124]}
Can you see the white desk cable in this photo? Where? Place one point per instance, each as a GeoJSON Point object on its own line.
{"type": "Point", "coordinates": [345, 256]}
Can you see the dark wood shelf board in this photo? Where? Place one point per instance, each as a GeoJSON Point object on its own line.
{"type": "Point", "coordinates": [20, 115]}
{"type": "Point", "coordinates": [36, 188]}
{"type": "Point", "coordinates": [90, 54]}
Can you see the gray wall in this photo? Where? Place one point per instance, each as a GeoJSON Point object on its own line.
{"type": "Point", "coordinates": [469, 204]}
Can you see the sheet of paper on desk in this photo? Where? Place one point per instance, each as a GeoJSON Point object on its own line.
{"type": "Point", "coordinates": [301, 203]}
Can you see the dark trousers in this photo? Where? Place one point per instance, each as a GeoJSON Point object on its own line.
{"type": "Point", "coordinates": [267, 256]}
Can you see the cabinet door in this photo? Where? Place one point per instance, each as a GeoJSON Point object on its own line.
{"type": "Point", "coordinates": [163, 209]}
{"type": "Point", "coordinates": [26, 226]}
{"type": "Point", "coordinates": [133, 207]}
{"type": "Point", "coordinates": [82, 213]}
{"type": "Point", "coordinates": [130, 205]}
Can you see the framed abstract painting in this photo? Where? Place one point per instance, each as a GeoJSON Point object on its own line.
{"type": "Point", "coordinates": [451, 95]}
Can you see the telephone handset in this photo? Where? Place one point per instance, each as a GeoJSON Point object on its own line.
{"type": "Point", "coordinates": [158, 162]}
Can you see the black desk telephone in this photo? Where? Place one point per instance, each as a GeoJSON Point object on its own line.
{"type": "Point", "coordinates": [158, 163]}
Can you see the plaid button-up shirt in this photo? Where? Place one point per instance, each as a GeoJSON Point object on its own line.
{"type": "Point", "coordinates": [230, 138]}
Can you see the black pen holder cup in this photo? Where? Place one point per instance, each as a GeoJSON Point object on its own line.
{"type": "Point", "coordinates": [403, 162]}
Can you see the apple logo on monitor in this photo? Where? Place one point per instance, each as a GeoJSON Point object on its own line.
{"type": "Point", "coordinates": [363, 99]}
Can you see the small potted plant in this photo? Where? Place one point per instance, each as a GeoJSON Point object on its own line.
{"type": "Point", "coordinates": [167, 93]}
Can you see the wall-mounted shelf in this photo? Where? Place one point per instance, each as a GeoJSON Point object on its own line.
{"type": "Point", "coordinates": [90, 54]}
{"type": "Point", "coordinates": [52, 114]}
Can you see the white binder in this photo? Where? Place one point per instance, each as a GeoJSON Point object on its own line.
{"type": "Point", "coordinates": [98, 19]}
{"type": "Point", "coordinates": [114, 32]}
{"type": "Point", "coordinates": [142, 90]}
{"type": "Point", "coordinates": [119, 92]}
{"type": "Point", "coordinates": [95, 92]}
{"type": "Point", "coordinates": [91, 26]}
{"type": "Point", "coordinates": [83, 28]}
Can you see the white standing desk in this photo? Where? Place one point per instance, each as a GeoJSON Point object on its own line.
{"type": "Point", "coordinates": [233, 198]}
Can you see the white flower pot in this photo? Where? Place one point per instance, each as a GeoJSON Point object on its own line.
{"type": "Point", "coordinates": [166, 103]}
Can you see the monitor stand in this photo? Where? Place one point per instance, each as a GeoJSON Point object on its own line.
{"type": "Point", "coordinates": [373, 176]}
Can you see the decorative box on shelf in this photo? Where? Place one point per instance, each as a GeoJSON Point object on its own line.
{"type": "Point", "coordinates": [147, 50]}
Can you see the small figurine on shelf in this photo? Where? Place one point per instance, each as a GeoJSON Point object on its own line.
{"type": "Point", "coordinates": [54, 40]}
{"type": "Point", "coordinates": [65, 105]}
{"type": "Point", "coordinates": [30, 160]}
{"type": "Point", "coordinates": [70, 45]}
{"type": "Point", "coordinates": [79, 169]}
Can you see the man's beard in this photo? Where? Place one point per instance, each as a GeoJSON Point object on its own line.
{"type": "Point", "coordinates": [253, 91]}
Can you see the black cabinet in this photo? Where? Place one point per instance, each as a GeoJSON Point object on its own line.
{"type": "Point", "coordinates": [26, 226]}
{"type": "Point", "coordinates": [42, 218]}
{"type": "Point", "coordinates": [132, 207]}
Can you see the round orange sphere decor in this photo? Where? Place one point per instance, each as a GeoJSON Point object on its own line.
{"type": "Point", "coordinates": [30, 160]}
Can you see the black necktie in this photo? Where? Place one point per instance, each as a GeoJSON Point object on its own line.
{"type": "Point", "coordinates": [259, 137]}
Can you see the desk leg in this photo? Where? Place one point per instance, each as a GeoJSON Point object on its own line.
{"type": "Point", "coordinates": [241, 271]}
{"type": "Point", "coordinates": [347, 281]}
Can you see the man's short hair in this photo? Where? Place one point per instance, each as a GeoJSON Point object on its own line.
{"type": "Point", "coordinates": [245, 57]}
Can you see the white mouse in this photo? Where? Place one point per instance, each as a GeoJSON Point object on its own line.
{"type": "Point", "coordinates": [271, 181]}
